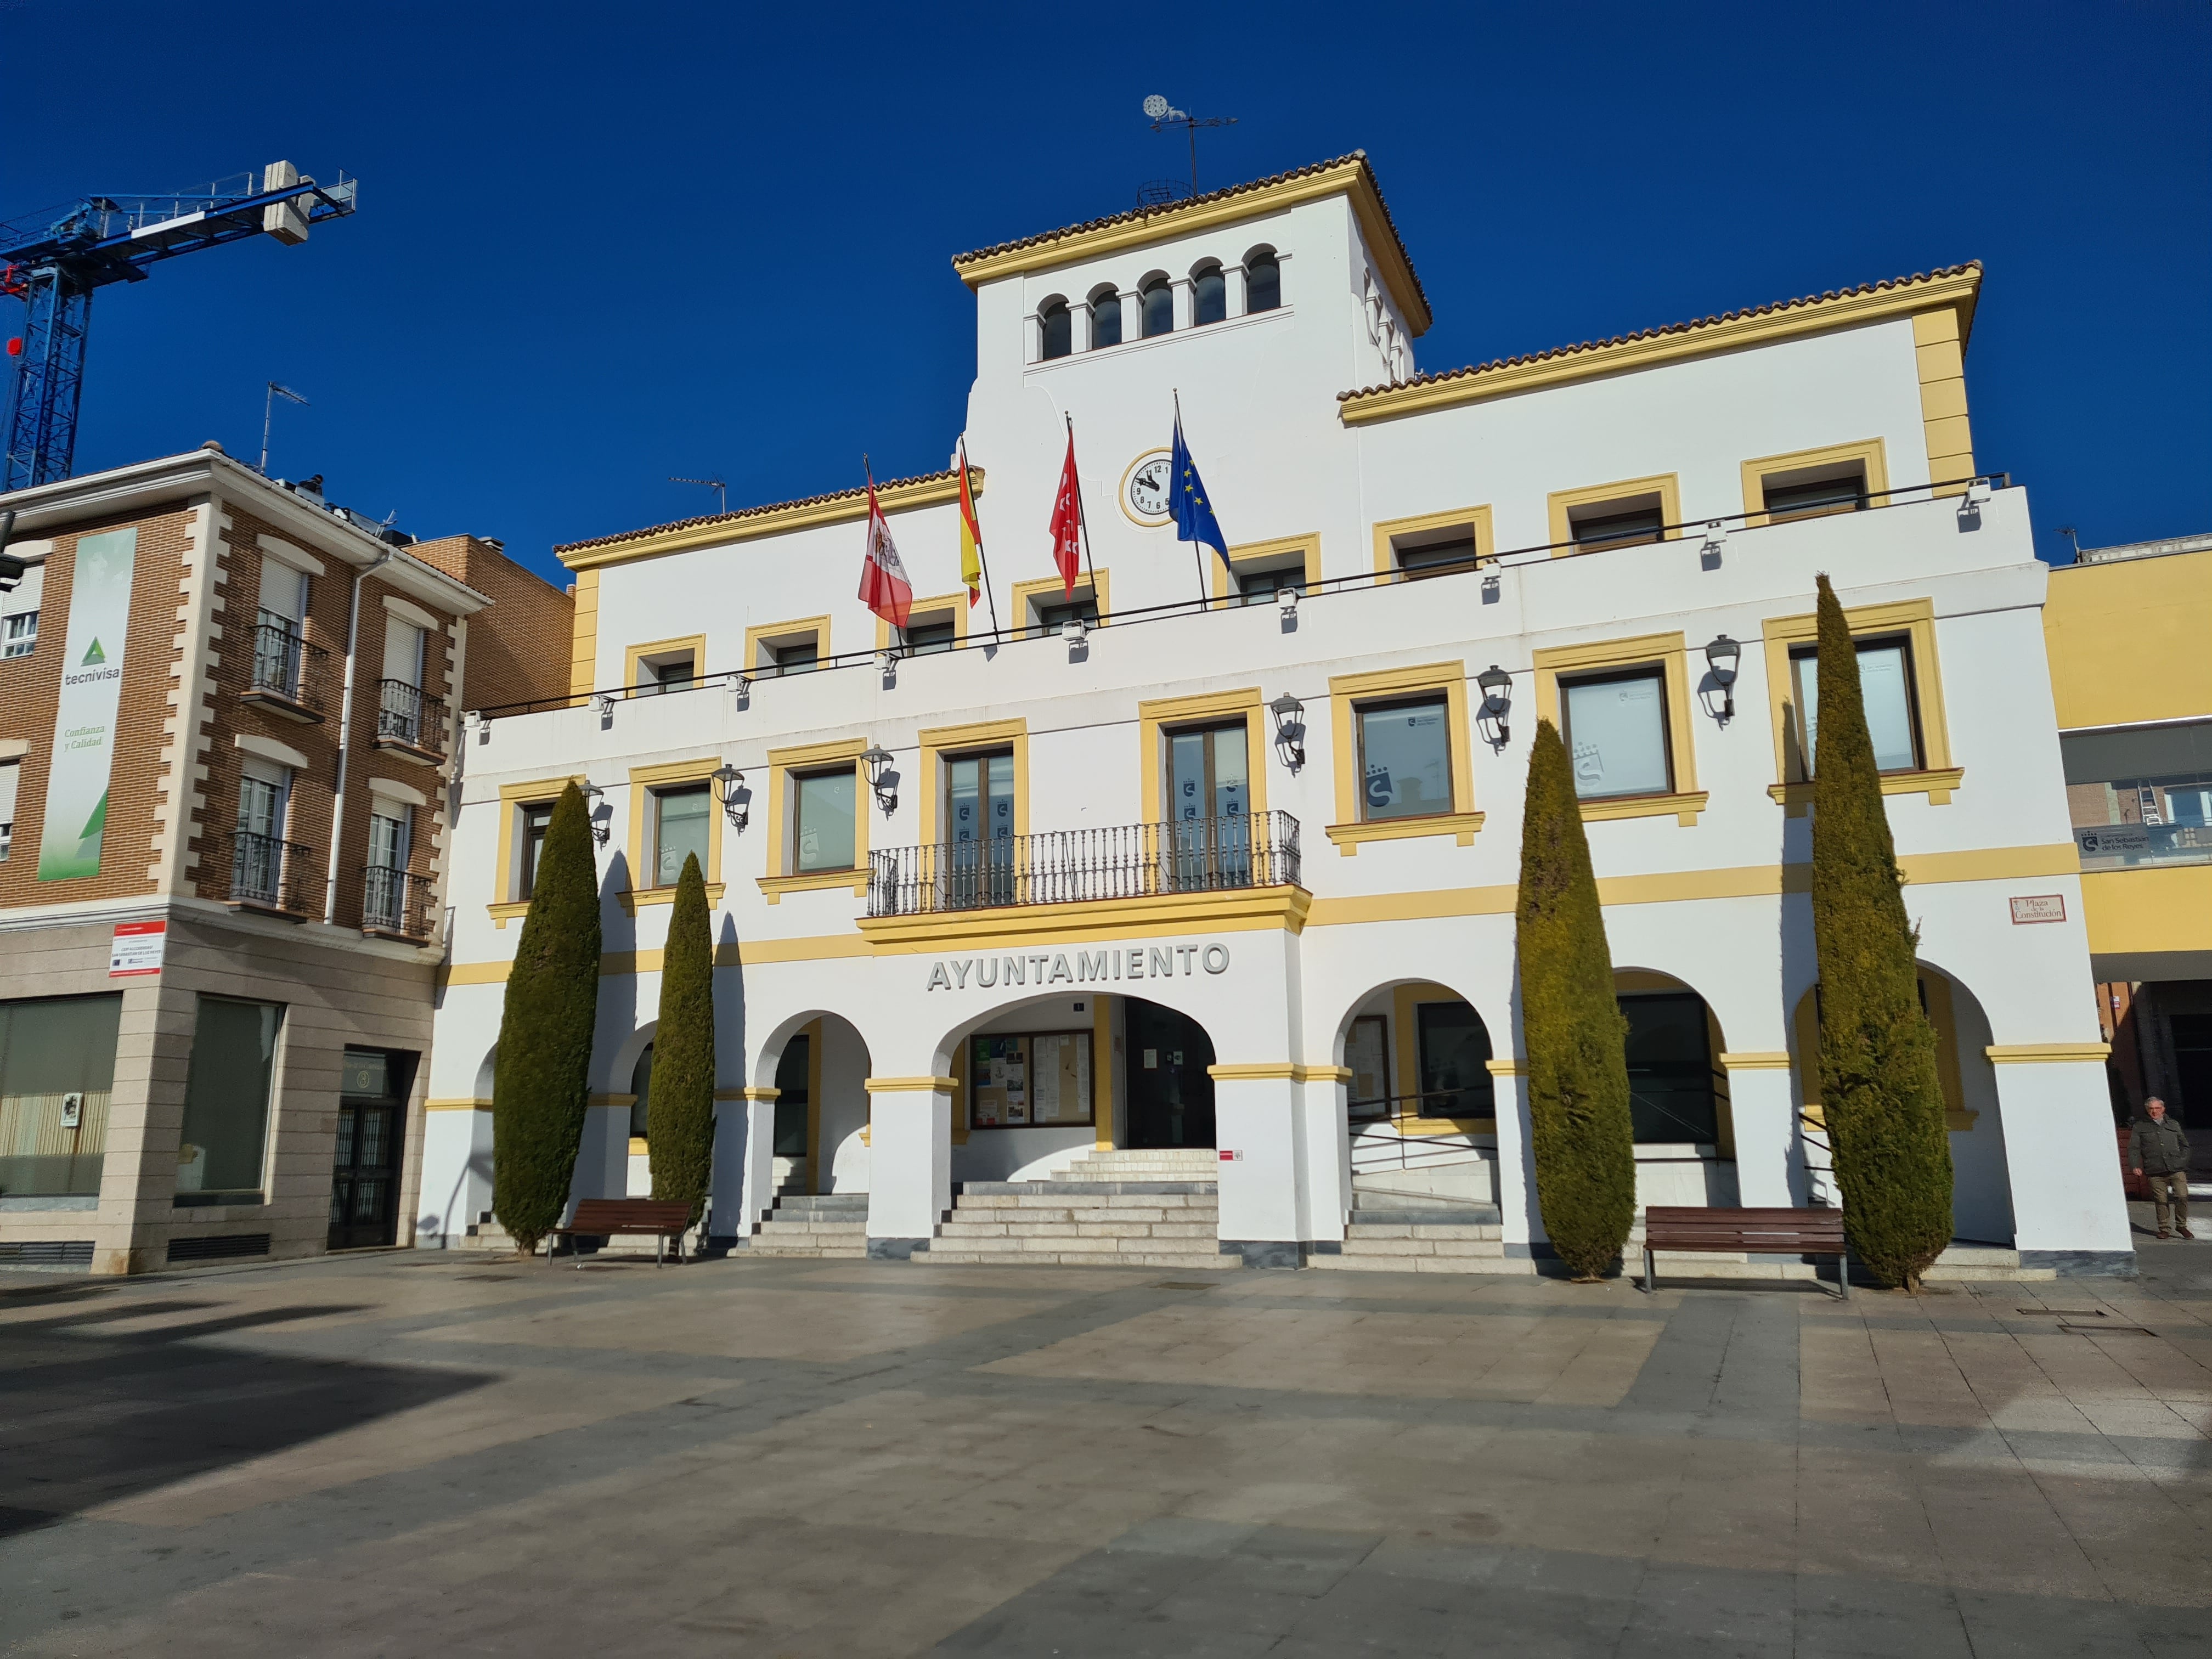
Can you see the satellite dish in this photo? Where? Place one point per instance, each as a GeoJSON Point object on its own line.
{"type": "Point", "coordinates": [1155, 107]}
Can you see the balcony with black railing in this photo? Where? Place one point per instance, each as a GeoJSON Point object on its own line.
{"type": "Point", "coordinates": [1076, 866]}
{"type": "Point", "coordinates": [409, 722]}
{"type": "Point", "coordinates": [272, 875]}
{"type": "Point", "coordinates": [287, 673]}
{"type": "Point", "coordinates": [395, 904]}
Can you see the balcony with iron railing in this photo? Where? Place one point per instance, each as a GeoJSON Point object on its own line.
{"type": "Point", "coordinates": [287, 674]}
{"type": "Point", "coordinates": [267, 874]}
{"type": "Point", "coordinates": [396, 904]}
{"type": "Point", "coordinates": [410, 722]}
{"type": "Point", "coordinates": [1076, 866]}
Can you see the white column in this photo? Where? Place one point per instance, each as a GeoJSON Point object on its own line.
{"type": "Point", "coordinates": [1325, 1151]}
{"type": "Point", "coordinates": [456, 1175]}
{"type": "Point", "coordinates": [1133, 315]}
{"type": "Point", "coordinates": [1256, 1135]}
{"type": "Point", "coordinates": [745, 1160]}
{"type": "Point", "coordinates": [602, 1156]}
{"type": "Point", "coordinates": [1078, 327]}
{"type": "Point", "coordinates": [1032, 338]}
{"type": "Point", "coordinates": [1769, 1170]}
{"type": "Point", "coordinates": [1234, 275]}
{"type": "Point", "coordinates": [2068, 1210]}
{"type": "Point", "coordinates": [1180, 286]}
{"type": "Point", "coordinates": [1522, 1227]}
{"type": "Point", "coordinates": [910, 1161]}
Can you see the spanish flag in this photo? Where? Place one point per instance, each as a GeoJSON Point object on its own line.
{"type": "Point", "coordinates": [971, 535]}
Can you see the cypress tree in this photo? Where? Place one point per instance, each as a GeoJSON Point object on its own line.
{"type": "Point", "coordinates": [1576, 1037]}
{"type": "Point", "coordinates": [680, 1135]}
{"type": "Point", "coordinates": [1879, 1091]}
{"type": "Point", "coordinates": [541, 1087]}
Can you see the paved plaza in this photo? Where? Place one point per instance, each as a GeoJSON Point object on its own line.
{"type": "Point", "coordinates": [419, 1453]}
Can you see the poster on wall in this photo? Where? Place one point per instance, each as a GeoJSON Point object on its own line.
{"type": "Point", "coordinates": [91, 693]}
{"type": "Point", "coordinates": [138, 949]}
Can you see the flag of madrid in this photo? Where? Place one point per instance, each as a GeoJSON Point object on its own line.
{"type": "Point", "coordinates": [884, 586]}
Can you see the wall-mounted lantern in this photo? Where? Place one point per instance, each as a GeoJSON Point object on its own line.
{"type": "Point", "coordinates": [729, 782]}
{"type": "Point", "coordinates": [1720, 656]}
{"type": "Point", "coordinates": [594, 805]}
{"type": "Point", "coordinates": [1497, 688]}
{"type": "Point", "coordinates": [1289, 724]}
{"type": "Point", "coordinates": [878, 762]}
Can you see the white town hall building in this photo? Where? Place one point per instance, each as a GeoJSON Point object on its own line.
{"type": "Point", "coordinates": [1180, 934]}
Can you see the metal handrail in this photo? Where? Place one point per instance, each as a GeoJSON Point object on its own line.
{"type": "Point", "coordinates": [1364, 1113]}
{"type": "Point", "coordinates": [1067, 867]}
{"type": "Point", "coordinates": [395, 902]}
{"type": "Point", "coordinates": [285, 666]}
{"type": "Point", "coordinates": [405, 715]}
{"type": "Point", "coordinates": [269, 872]}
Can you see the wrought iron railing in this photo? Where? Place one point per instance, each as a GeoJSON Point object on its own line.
{"type": "Point", "coordinates": [1068, 866]}
{"type": "Point", "coordinates": [396, 902]}
{"type": "Point", "coordinates": [269, 873]}
{"type": "Point", "coordinates": [285, 666]}
{"type": "Point", "coordinates": [406, 715]}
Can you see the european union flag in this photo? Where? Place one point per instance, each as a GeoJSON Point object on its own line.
{"type": "Point", "coordinates": [1194, 512]}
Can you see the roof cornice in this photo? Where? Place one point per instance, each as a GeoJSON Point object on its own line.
{"type": "Point", "coordinates": [780, 517]}
{"type": "Point", "coordinates": [1957, 286]}
{"type": "Point", "coordinates": [1349, 176]}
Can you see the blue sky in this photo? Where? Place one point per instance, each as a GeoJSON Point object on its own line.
{"type": "Point", "coordinates": [599, 245]}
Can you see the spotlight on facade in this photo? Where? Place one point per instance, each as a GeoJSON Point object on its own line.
{"type": "Point", "coordinates": [1289, 724]}
{"type": "Point", "coordinates": [729, 782]}
{"type": "Point", "coordinates": [887, 662]}
{"type": "Point", "coordinates": [594, 805]}
{"type": "Point", "coordinates": [739, 686]}
{"type": "Point", "coordinates": [1286, 600]}
{"type": "Point", "coordinates": [1074, 630]}
{"type": "Point", "coordinates": [878, 762]}
{"type": "Point", "coordinates": [1720, 656]}
{"type": "Point", "coordinates": [1497, 688]}
{"type": "Point", "coordinates": [603, 704]}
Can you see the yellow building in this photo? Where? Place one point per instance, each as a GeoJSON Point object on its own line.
{"type": "Point", "coordinates": [2129, 634]}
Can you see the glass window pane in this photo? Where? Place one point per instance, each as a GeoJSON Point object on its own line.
{"type": "Point", "coordinates": [1438, 557]}
{"type": "Point", "coordinates": [1670, 1071]}
{"type": "Point", "coordinates": [927, 639]}
{"type": "Point", "coordinates": [684, 816]}
{"type": "Point", "coordinates": [226, 1126]}
{"type": "Point", "coordinates": [1846, 493]}
{"type": "Point", "coordinates": [1209, 296]}
{"type": "Point", "coordinates": [1404, 755]}
{"type": "Point", "coordinates": [1105, 320]}
{"type": "Point", "coordinates": [1454, 1048]}
{"type": "Point", "coordinates": [825, 839]}
{"type": "Point", "coordinates": [792, 1071]}
{"type": "Point", "coordinates": [1056, 331]}
{"type": "Point", "coordinates": [1159, 310]}
{"type": "Point", "coordinates": [641, 1088]}
{"type": "Point", "coordinates": [1885, 687]}
{"type": "Point", "coordinates": [535, 822]}
{"type": "Point", "coordinates": [1617, 734]}
{"type": "Point", "coordinates": [1617, 529]}
{"type": "Point", "coordinates": [1263, 284]}
{"type": "Point", "coordinates": [797, 658]}
{"type": "Point", "coordinates": [366, 1072]}
{"type": "Point", "coordinates": [57, 1078]}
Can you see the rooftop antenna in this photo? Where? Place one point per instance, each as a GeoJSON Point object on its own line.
{"type": "Point", "coordinates": [1162, 113]}
{"type": "Point", "coordinates": [715, 483]}
{"type": "Point", "coordinates": [268, 409]}
{"type": "Point", "coordinates": [2067, 531]}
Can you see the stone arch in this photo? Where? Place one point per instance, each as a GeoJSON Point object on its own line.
{"type": "Point", "coordinates": [820, 1120]}
{"type": "Point", "coordinates": [1680, 1108]}
{"type": "Point", "coordinates": [488, 1074]}
{"type": "Point", "coordinates": [1423, 1100]}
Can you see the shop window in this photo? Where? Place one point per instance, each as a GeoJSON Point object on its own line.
{"type": "Point", "coordinates": [793, 1074]}
{"type": "Point", "coordinates": [1404, 759]}
{"type": "Point", "coordinates": [1105, 319]}
{"type": "Point", "coordinates": [823, 821]}
{"type": "Point", "coordinates": [1263, 281]}
{"type": "Point", "coordinates": [224, 1142]}
{"type": "Point", "coordinates": [1030, 1079]}
{"type": "Point", "coordinates": [1671, 1093]}
{"type": "Point", "coordinates": [1157, 303]}
{"type": "Point", "coordinates": [536, 818]}
{"type": "Point", "coordinates": [1885, 686]}
{"type": "Point", "coordinates": [682, 819]}
{"type": "Point", "coordinates": [1209, 294]}
{"type": "Point", "coordinates": [57, 1078]}
{"type": "Point", "coordinates": [1616, 733]}
{"type": "Point", "coordinates": [1058, 335]}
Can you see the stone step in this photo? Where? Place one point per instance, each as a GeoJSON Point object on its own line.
{"type": "Point", "coordinates": [1127, 1209]}
{"type": "Point", "coordinates": [1094, 1198]}
{"type": "Point", "coordinates": [1355, 1262]}
{"type": "Point", "coordinates": [1087, 1189]}
{"type": "Point", "coordinates": [855, 1203]}
{"type": "Point", "coordinates": [855, 1252]}
{"type": "Point", "coordinates": [1491, 1248]}
{"type": "Point", "coordinates": [1362, 1229]}
{"type": "Point", "coordinates": [1453, 1215]}
{"type": "Point", "coordinates": [1180, 1261]}
{"type": "Point", "coordinates": [1017, 1231]}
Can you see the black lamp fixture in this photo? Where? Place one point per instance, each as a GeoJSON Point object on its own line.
{"type": "Point", "coordinates": [1720, 656]}
{"type": "Point", "coordinates": [601, 828]}
{"type": "Point", "coordinates": [1290, 727]}
{"type": "Point", "coordinates": [1497, 688]}
{"type": "Point", "coordinates": [878, 761]}
{"type": "Point", "coordinates": [727, 782]}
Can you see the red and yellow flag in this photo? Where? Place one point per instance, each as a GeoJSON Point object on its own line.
{"type": "Point", "coordinates": [971, 534]}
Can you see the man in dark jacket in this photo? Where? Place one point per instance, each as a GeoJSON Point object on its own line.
{"type": "Point", "coordinates": [2159, 1151]}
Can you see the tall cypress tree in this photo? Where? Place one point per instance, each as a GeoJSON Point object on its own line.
{"type": "Point", "coordinates": [542, 1085]}
{"type": "Point", "coordinates": [1578, 1040]}
{"type": "Point", "coordinates": [1879, 1089]}
{"type": "Point", "coordinates": [680, 1136]}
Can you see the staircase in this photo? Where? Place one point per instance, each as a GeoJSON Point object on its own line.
{"type": "Point", "coordinates": [1404, 1232]}
{"type": "Point", "coordinates": [815, 1224]}
{"type": "Point", "coordinates": [1153, 1208]}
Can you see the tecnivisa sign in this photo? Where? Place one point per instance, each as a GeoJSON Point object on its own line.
{"type": "Point", "coordinates": [84, 718]}
{"type": "Point", "coordinates": [996, 971]}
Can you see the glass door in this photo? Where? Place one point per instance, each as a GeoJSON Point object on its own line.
{"type": "Point", "coordinates": [365, 1160]}
{"type": "Point", "coordinates": [1209, 833]}
{"type": "Point", "coordinates": [979, 829]}
{"type": "Point", "coordinates": [384, 897]}
{"type": "Point", "coordinates": [259, 871]}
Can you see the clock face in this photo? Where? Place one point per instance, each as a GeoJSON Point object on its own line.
{"type": "Point", "coordinates": [1146, 488]}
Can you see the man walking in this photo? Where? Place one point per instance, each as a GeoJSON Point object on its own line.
{"type": "Point", "coordinates": [2160, 1150]}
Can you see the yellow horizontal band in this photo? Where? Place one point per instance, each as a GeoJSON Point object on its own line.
{"type": "Point", "coordinates": [882, 1086]}
{"type": "Point", "coordinates": [2031, 1053]}
{"type": "Point", "coordinates": [1287, 1070]}
{"type": "Point", "coordinates": [1770, 1060]}
{"type": "Point", "coordinates": [457, 1105]}
{"type": "Point", "coordinates": [1506, 1067]}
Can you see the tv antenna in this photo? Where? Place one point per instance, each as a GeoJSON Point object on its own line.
{"type": "Point", "coordinates": [1162, 113]}
{"type": "Point", "coordinates": [268, 412]}
{"type": "Point", "coordinates": [715, 483]}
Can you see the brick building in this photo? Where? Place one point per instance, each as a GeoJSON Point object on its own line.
{"type": "Point", "coordinates": [228, 730]}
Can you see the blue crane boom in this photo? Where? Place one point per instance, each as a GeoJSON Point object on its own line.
{"type": "Point", "coordinates": [53, 260]}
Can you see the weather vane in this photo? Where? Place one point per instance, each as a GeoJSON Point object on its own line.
{"type": "Point", "coordinates": [1162, 113]}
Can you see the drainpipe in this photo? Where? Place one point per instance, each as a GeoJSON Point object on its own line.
{"type": "Point", "coordinates": [346, 736]}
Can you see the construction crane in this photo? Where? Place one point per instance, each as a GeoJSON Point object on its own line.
{"type": "Point", "coordinates": [53, 260]}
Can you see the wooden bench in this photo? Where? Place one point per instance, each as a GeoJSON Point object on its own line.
{"type": "Point", "coordinates": [603, 1218]}
{"type": "Point", "coordinates": [1779, 1232]}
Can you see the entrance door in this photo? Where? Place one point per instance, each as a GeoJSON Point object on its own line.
{"type": "Point", "coordinates": [365, 1163]}
{"type": "Point", "coordinates": [1209, 794]}
{"type": "Point", "coordinates": [1170, 1092]}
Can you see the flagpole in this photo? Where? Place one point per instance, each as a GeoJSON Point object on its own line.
{"type": "Point", "coordinates": [983, 559]}
{"type": "Point", "coordinates": [1205, 599]}
{"type": "Point", "coordinates": [1083, 521]}
{"type": "Point", "coordinates": [871, 471]}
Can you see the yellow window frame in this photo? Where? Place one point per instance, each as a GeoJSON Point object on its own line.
{"type": "Point", "coordinates": [1254, 556]}
{"type": "Point", "coordinates": [636, 657]}
{"type": "Point", "coordinates": [938, 744]}
{"type": "Point", "coordinates": [513, 798]}
{"type": "Point", "coordinates": [956, 604]}
{"type": "Point", "coordinates": [1563, 503]}
{"type": "Point", "coordinates": [643, 780]}
{"type": "Point", "coordinates": [1388, 530]}
{"type": "Point", "coordinates": [1345, 691]}
{"type": "Point", "coordinates": [1050, 590]}
{"type": "Point", "coordinates": [1666, 651]}
{"type": "Point", "coordinates": [1870, 453]}
{"type": "Point", "coordinates": [1937, 777]}
{"type": "Point", "coordinates": [1160, 715]}
{"type": "Point", "coordinates": [769, 635]}
{"type": "Point", "coordinates": [782, 765]}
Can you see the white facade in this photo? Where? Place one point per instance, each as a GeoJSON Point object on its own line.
{"type": "Point", "coordinates": [1703, 881]}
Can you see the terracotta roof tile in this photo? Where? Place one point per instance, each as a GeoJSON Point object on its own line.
{"type": "Point", "coordinates": [1695, 323]}
{"type": "Point", "coordinates": [883, 486]}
